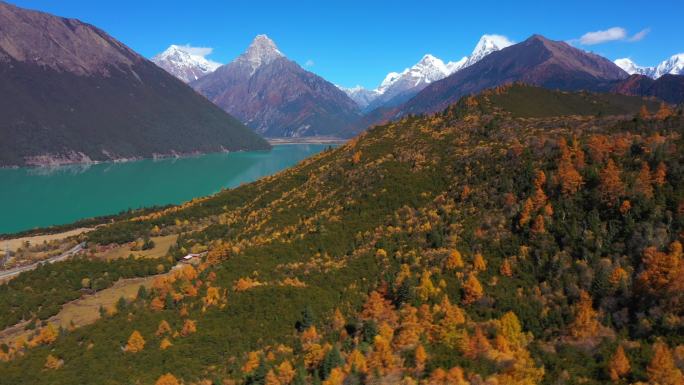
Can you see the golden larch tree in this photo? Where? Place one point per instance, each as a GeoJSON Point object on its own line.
{"type": "Point", "coordinates": [163, 328]}
{"type": "Point", "coordinates": [586, 323]}
{"type": "Point", "coordinates": [662, 369]}
{"type": "Point", "coordinates": [167, 379]}
{"type": "Point", "coordinates": [660, 175]}
{"type": "Point", "coordinates": [618, 366]}
{"type": "Point", "coordinates": [286, 372]}
{"type": "Point", "coordinates": [642, 184]}
{"type": "Point", "coordinates": [472, 290]}
{"type": "Point", "coordinates": [479, 263]}
{"type": "Point", "coordinates": [611, 186]}
{"type": "Point", "coordinates": [189, 327]}
{"type": "Point", "coordinates": [136, 342]}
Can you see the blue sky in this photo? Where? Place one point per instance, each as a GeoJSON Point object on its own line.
{"type": "Point", "coordinates": [358, 42]}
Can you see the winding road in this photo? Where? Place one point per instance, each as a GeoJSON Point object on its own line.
{"type": "Point", "coordinates": [5, 274]}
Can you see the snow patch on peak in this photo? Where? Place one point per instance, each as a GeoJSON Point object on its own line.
{"type": "Point", "coordinates": [185, 62]}
{"type": "Point", "coordinates": [262, 51]}
{"type": "Point", "coordinates": [486, 45]}
{"type": "Point", "coordinates": [632, 68]}
{"type": "Point", "coordinates": [674, 65]}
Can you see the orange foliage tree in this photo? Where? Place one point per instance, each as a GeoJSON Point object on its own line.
{"type": "Point", "coordinates": [611, 186]}
{"type": "Point", "coordinates": [167, 379]}
{"type": "Point", "coordinates": [472, 290]}
{"type": "Point", "coordinates": [136, 342]}
{"type": "Point", "coordinates": [586, 322]}
{"type": "Point", "coordinates": [662, 369]}
{"type": "Point", "coordinates": [618, 366]}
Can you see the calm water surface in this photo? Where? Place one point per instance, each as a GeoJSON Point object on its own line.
{"type": "Point", "coordinates": [32, 198]}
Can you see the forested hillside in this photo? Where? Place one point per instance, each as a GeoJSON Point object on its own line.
{"type": "Point", "coordinates": [522, 236]}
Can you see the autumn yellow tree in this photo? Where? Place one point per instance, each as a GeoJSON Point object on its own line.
{"type": "Point", "coordinates": [472, 290]}
{"type": "Point", "coordinates": [642, 184]}
{"type": "Point", "coordinates": [167, 379]}
{"type": "Point", "coordinates": [409, 329]}
{"type": "Point", "coordinates": [47, 335]}
{"type": "Point", "coordinates": [379, 309]}
{"type": "Point", "coordinates": [136, 342]}
{"type": "Point", "coordinates": [286, 372]}
{"type": "Point", "coordinates": [660, 175]}
{"type": "Point", "coordinates": [52, 362]}
{"type": "Point", "coordinates": [611, 186]}
{"type": "Point", "coordinates": [643, 113]}
{"type": "Point", "coordinates": [586, 322]}
{"type": "Point", "coordinates": [506, 269]}
{"type": "Point", "coordinates": [570, 179]}
{"type": "Point", "coordinates": [421, 357]}
{"type": "Point", "coordinates": [479, 263]}
{"type": "Point", "coordinates": [163, 328]}
{"type": "Point", "coordinates": [165, 344]}
{"type": "Point", "coordinates": [662, 370]}
{"type": "Point", "coordinates": [336, 377]}
{"type": "Point", "coordinates": [509, 328]}
{"type": "Point", "coordinates": [189, 327]}
{"type": "Point", "coordinates": [454, 260]}
{"type": "Point", "coordinates": [618, 366]}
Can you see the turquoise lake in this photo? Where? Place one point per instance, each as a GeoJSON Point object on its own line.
{"type": "Point", "coordinates": [38, 197]}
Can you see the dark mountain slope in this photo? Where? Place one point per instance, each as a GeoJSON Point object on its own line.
{"type": "Point", "coordinates": [669, 88]}
{"type": "Point", "coordinates": [69, 93]}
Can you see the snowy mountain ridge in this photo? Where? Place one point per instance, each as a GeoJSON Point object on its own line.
{"type": "Point", "coordinates": [399, 86]}
{"type": "Point", "coordinates": [182, 63]}
{"type": "Point", "coordinates": [674, 65]}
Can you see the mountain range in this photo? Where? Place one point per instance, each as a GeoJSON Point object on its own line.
{"type": "Point", "coordinates": [398, 87]}
{"type": "Point", "coordinates": [672, 66]}
{"type": "Point", "coordinates": [69, 92]}
{"type": "Point", "coordinates": [277, 97]}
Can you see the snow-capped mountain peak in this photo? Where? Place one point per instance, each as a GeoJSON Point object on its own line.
{"type": "Point", "coordinates": [183, 63]}
{"type": "Point", "coordinates": [262, 51]}
{"type": "Point", "coordinates": [674, 65]}
{"type": "Point", "coordinates": [486, 45]}
{"type": "Point", "coordinates": [400, 85]}
{"type": "Point", "coordinates": [632, 68]}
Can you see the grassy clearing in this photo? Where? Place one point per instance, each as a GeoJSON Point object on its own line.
{"type": "Point", "coordinates": [85, 310]}
{"type": "Point", "coordinates": [16, 243]}
{"type": "Point", "coordinates": [160, 249]}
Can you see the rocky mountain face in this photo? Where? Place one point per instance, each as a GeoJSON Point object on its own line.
{"type": "Point", "coordinates": [398, 87]}
{"type": "Point", "coordinates": [537, 60]}
{"type": "Point", "coordinates": [276, 97]}
{"type": "Point", "coordinates": [71, 93]}
{"type": "Point", "coordinates": [672, 66]}
{"type": "Point", "coordinates": [669, 88]}
{"type": "Point", "coordinates": [183, 64]}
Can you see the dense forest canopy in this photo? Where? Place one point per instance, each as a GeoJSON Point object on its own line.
{"type": "Point", "coordinates": [522, 236]}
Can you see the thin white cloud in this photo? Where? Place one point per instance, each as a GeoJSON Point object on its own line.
{"type": "Point", "coordinates": [199, 51]}
{"type": "Point", "coordinates": [309, 63]}
{"type": "Point", "coordinates": [610, 34]}
{"type": "Point", "coordinates": [640, 35]}
{"type": "Point", "coordinates": [598, 37]}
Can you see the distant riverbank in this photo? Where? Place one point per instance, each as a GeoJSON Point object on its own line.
{"type": "Point", "coordinates": [307, 140]}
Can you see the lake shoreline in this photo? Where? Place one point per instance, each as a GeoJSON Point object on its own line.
{"type": "Point", "coordinates": [48, 200]}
